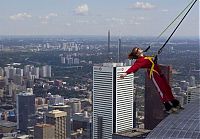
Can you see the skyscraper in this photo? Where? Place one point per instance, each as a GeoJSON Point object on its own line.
{"type": "Point", "coordinates": [154, 110]}
{"type": "Point", "coordinates": [108, 42]}
{"type": "Point", "coordinates": [192, 93]}
{"type": "Point", "coordinates": [44, 131]}
{"type": "Point", "coordinates": [119, 50]}
{"type": "Point", "coordinates": [67, 109]}
{"type": "Point", "coordinates": [192, 81]}
{"type": "Point", "coordinates": [36, 72]}
{"type": "Point", "coordinates": [1, 72]}
{"type": "Point", "coordinates": [45, 71]}
{"type": "Point", "coordinates": [112, 100]}
{"type": "Point", "coordinates": [25, 111]}
{"type": "Point", "coordinates": [58, 119]}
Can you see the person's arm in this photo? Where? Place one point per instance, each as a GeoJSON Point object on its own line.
{"type": "Point", "coordinates": [134, 68]}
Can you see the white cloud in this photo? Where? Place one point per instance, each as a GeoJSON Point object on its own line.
{"type": "Point", "coordinates": [20, 16]}
{"type": "Point", "coordinates": [142, 5]}
{"type": "Point", "coordinates": [46, 18]}
{"type": "Point", "coordinates": [81, 9]}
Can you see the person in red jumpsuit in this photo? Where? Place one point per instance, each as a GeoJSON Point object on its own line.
{"type": "Point", "coordinates": [171, 104]}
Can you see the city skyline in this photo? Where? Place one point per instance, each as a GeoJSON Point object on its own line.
{"type": "Point", "coordinates": [33, 75]}
{"type": "Point", "coordinates": [85, 17]}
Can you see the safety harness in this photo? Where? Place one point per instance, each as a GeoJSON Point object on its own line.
{"type": "Point", "coordinates": [150, 58]}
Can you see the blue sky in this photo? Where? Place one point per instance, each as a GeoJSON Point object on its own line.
{"type": "Point", "coordinates": [95, 17]}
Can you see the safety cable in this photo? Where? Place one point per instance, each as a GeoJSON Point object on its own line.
{"type": "Point", "coordinates": [168, 26]}
{"type": "Point", "coordinates": [160, 50]}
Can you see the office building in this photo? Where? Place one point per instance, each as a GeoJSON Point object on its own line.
{"type": "Point", "coordinates": [154, 110]}
{"type": "Point", "coordinates": [27, 69]}
{"type": "Point", "coordinates": [7, 126]}
{"type": "Point", "coordinates": [192, 93]}
{"type": "Point", "coordinates": [67, 109]}
{"type": "Point", "coordinates": [36, 72]}
{"type": "Point", "coordinates": [19, 71]}
{"type": "Point", "coordinates": [62, 60]}
{"type": "Point", "coordinates": [58, 119]}
{"type": "Point", "coordinates": [1, 93]}
{"type": "Point", "coordinates": [55, 100]}
{"type": "Point", "coordinates": [45, 71]}
{"type": "Point", "coordinates": [108, 42]}
{"type": "Point", "coordinates": [177, 90]}
{"type": "Point", "coordinates": [112, 100]}
{"type": "Point", "coordinates": [18, 79]}
{"type": "Point", "coordinates": [119, 51]}
{"type": "Point", "coordinates": [70, 61]}
{"type": "Point", "coordinates": [192, 82]}
{"type": "Point", "coordinates": [44, 131]}
{"type": "Point", "coordinates": [76, 106]}
{"type": "Point", "coordinates": [83, 121]}
{"type": "Point", "coordinates": [184, 85]}
{"type": "Point", "coordinates": [76, 61]}
{"type": "Point", "coordinates": [1, 72]}
{"type": "Point", "coordinates": [25, 111]}
{"type": "Point", "coordinates": [2, 82]}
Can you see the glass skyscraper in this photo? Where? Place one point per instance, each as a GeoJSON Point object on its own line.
{"type": "Point", "coordinates": [112, 100]}
{"type": "Point", "coordinates": [25, 111]}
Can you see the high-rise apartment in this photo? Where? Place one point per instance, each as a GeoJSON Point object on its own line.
{"type": "Point", "coordinates": [44, 131]}
{"type": "Point", "coordinates": [112, 100]}
{"type": "Point", "coordinates": [67, 109]}
{"type": "Point", "coordinates": [58, 119]}
{"type": "Point", "coordinates": [25, 111]}
{"type": "Point", "coordinates": [108, 42]}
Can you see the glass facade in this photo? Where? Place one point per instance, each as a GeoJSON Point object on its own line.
{"type": "Point", "coordinates": [185, 124]}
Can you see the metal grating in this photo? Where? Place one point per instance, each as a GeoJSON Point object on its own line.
{"type": "Point", "coordinates": [185, 125]}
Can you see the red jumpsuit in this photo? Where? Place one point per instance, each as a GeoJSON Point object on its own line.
{"type": "Point", "coordinates": [159, 81]}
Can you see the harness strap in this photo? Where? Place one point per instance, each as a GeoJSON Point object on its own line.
{"type": "Point", "coordinates": [152, 67]}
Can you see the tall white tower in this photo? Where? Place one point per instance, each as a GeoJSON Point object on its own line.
{"type": "Point", "coordinates": [112, 100]}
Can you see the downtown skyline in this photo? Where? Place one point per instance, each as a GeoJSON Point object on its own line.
{"type": "Point", "coordinates": [87, 17]}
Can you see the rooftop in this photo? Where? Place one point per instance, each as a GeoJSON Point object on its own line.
{"type": "Point", "coordinates": [133, 132]}
{"type": "Point", "coordinates": [44, 125]}
{"type": "Point", "coordinates": [185, 124]}
{"type": "Point", "coordinates": [7, 123]}
{"type": "Point", "coordinates": [56, 113]}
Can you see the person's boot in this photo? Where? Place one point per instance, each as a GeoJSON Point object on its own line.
{"type": "Point", "coordinates": [176, 104]}
{"type": "Point", "coordinates": [169, 108]}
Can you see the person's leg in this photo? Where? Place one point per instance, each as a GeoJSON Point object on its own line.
{"type": "Point", "coordinates": [176, 104]}
{"type": "Point", "coordinates": [169, 108]}
{"type": "Point", "coordinates": [167, 105]}
{"type": "Point", "coordinates": [163, 88]}
{"type": "Point", "coordinates": [165, 92]}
